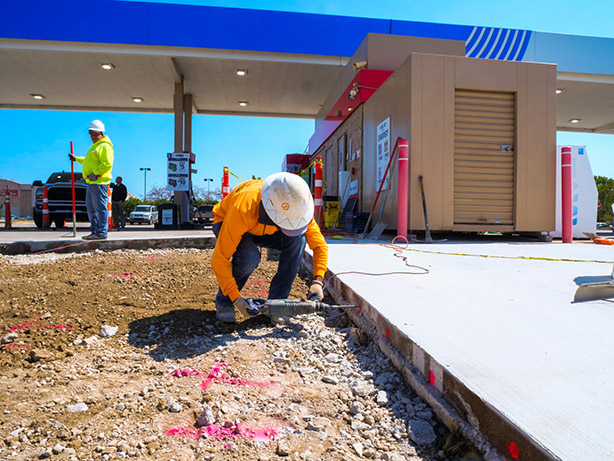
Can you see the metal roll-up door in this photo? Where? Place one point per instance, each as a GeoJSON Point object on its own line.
{"type": "Point", "coordinates": [484, 158]}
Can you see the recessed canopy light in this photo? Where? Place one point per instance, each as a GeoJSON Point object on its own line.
{"type": "Point", "coordinates": [37, 96]}
{"type": "Point", "coordinates": [138, 99]}
{"type": "Point", "coordinates": [559, 90]}
{"type": "Point", "coordinates": [107, 65]}
{"type": "Point", "coordinates": [241, 72]}
{"type": "Point", "coordinates": [243, 103]}
{"type": "Point", "coordinates": [349, 108]}
{"type": "Point", "coordinates": [574, 120]}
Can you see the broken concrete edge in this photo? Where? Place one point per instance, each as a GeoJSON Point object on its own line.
{"type": "Point", "coordinates": [72, 246]}
{"type": "Point", "coordinates": [458, 407]}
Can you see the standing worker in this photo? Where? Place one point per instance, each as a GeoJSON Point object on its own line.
{"type": "Point", "coordinates": [97, 166]}
{"type": "Point", "coordinates": [277, 213]}
{"type": "Point", "coordinates": [118, 197]}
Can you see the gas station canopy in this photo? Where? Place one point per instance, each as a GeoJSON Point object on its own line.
{"type": "Point", "coordinates": [55, 51]}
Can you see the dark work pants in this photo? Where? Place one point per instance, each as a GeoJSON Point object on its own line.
{"type": "Point", "coordinates": [247, 257]}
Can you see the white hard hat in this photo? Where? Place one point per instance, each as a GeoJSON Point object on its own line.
{"type": "Point", "coordinates": [287, 200]}
{"type": "Point", "coordinates": [97, 125]}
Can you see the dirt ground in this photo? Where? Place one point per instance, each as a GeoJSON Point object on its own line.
{"type": "Point", "coordinates": [294, 391]}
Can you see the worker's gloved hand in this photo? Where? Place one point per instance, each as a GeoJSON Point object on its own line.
{"type": "Point", "coordinates": [245, 307]}
{"type": "Point", "coordinates": [92, 177]}
{"type": "Point", "coordinates": [71, 157]}
{"type": "Point", "coordinates": [316, 291]}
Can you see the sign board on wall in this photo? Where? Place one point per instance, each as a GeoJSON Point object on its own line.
{"type": "Point", "coordinates": [383, 151]}
{"type": "Point", "coordinates": [584, 193]}
{"type": "Point", "coordinates": [178, 171]}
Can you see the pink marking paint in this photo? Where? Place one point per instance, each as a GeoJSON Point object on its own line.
{"type": "Point", "coordinates": [227, 431]}
{"type": "Point", "coordinates": [257, 283]}
{"type": "Point", "coordinates": [29, 323]}
{"type": "Point", "coordinates": [179, 373]}
{"type": "Point", "coordinates": [17, 346]}
{"type": "Point", "coordinates": [216, 375]}
{"type": "Point", "coordinates": [121, 263]}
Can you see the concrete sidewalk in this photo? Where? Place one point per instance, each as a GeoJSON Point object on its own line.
{"type": "Point", "coordinates": [491, 334]}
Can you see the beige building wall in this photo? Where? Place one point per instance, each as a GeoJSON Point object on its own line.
{"type": "Point", "coordinates": [21, 197]}
{"type": "Point", "coordinates": [419, 98]}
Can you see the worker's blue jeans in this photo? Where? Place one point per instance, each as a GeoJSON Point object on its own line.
{"type": "Point", "coordinates": [96, 198]}
{"type": "Point", "coordinates": [247, 257]}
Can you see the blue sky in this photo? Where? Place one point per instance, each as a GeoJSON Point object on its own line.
{"type": "Point", "coordinates": [36, 143]}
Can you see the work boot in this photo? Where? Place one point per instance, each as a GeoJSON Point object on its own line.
{"type": "Point", "coordinates": [225, 313]}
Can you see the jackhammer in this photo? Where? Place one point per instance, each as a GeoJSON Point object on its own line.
{"type": "Point", "coordinates": [280, 308]}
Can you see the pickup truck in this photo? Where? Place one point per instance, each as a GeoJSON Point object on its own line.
{"type": "Point", "coordinates": [59, 199]}
{"type": "Point", "coordinates": [203, 214]}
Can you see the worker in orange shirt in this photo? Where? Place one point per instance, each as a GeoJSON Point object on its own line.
{"type": "Point", "coordinates": [277, 213]}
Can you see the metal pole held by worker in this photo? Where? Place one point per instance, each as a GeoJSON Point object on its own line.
{"type": "Point", "coordinates": [46, 224]}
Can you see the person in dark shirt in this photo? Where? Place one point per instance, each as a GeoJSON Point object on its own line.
{"type": "Point", "coordinates": [118, 197]}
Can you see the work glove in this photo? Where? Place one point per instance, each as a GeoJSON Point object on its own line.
{"type": "Point", "coordinates": [71, 157]}
{"type": "Point", "coordinates": [246, 307]}
{"type": "Point", "coordinates": [92, 177]}
{"type": "Point", "coordinates": [316, 291]}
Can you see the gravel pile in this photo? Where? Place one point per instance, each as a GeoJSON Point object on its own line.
{"type": "Point", "coordinates": [177, 386]}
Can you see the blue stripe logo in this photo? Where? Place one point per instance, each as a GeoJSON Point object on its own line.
{"type": "Point", "coordinates": [494, 43]}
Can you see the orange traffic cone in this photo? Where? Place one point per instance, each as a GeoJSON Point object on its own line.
{"type": "Point", "coordinates": [109, 206]}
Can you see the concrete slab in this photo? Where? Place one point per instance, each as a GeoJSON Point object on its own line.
{"type": "Point", "coordinates": [493, 327]}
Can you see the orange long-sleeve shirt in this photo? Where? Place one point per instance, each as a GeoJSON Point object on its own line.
{"type": "Point", "coordinates": [239, 211]}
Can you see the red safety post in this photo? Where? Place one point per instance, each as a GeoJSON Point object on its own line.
{"type": "Point", "coordinates": [317, 201]}
{"type": "Point", "coordinates": [8, 220]}
{"type": "Point", "coordinates": [566, 193]}
{"type": "Point", "coordinates": [46, 224]}
{"type": "Point", "coordinates": [403, 187]}
{"type": "Point", "coordinates": [225, 183]}
{"type": "Point", "coordinates": [74, 207]}
{"type": "Point", "coordinates": [109, 207]}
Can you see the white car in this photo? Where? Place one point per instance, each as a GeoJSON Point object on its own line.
{"type": "Point", "coordinates": [147, 214]}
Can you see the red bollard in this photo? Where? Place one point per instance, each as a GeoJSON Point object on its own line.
{"type": "Point", "coordinates": [225, 183]}
{"type": "Point", "coordinates": [109, 207]}
{"type": "Point", "coordinates": [566, 194]}
{"type": "Point", "coordinates": [403, 187]}
{"type": "Point", "coordinates": [46, 224]}
{"type": "Point", "coordinates": [8, 220]}
{"type": "Point", "coordinates": [317, 201]}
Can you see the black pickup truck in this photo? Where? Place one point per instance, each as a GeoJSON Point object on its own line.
{"type": "Point", "coordinates": [59, 199]}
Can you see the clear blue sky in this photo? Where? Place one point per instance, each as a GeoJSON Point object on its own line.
{"type": "Point", "coordinates": [35, 143]}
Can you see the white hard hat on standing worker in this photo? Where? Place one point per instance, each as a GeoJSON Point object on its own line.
{"type": "Point", "coordinates": [288, 202]}
{"type": "Point", "coordinates": [97, 126]}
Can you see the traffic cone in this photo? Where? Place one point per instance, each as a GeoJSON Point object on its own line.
{"type": "Point", "coordinates": [110, 207]}
{"type": "Point", "coordinates": [8, 223]}
{"type": "Point", "coordinates": [46, 224]}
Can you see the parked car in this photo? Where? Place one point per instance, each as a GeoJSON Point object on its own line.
{"type": "Point", "coordinates": [203, 214]}
{"type": "Point", "coordinates": [59, 199]}
{"type": "Point", "coordinates": [147, 214]}
{"type": "Point", "coordinates": [603, 226]}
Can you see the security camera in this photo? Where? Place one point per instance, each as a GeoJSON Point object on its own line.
{"type": "Point", "coordinates": [359, 65]}
{"type": "Point", "coordinates": [353, 93]}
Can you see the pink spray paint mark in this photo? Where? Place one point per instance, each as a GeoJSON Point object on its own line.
{"type": "Point", "coordinates": [28, 324]}
{"type": "Point", "coordinates": [121, 263]}
{"type": "Point", "coordinates": [179, 373]}
{"type": "Point", "coordinates": [126, 275]}
{"type": "Point", "coordinates": [257, 283]}
{"type": "Point", "coordinates": [216, 375]}
{"type": "Point", "coordinates": [226, 431]}
{"type": "Point", "coordinates": [17, 346]}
